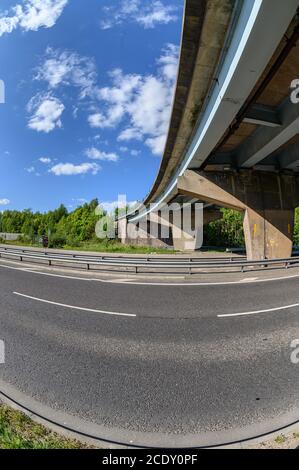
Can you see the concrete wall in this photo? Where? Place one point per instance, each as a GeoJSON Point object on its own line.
{"type": "Point", "coordinates": [10, 236]}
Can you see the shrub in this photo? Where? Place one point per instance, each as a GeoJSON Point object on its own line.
{"type": "Point", "coordinates": [57, 240]}
{"type": "Point", "coordinates": [227, 231]}
{"type": "Point", "coordinates": [72, 240]}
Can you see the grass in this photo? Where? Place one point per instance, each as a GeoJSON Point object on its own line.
{"type": "Point", "coordinates": [117, 247]}
{"type": "Point", "coordinates": [111, 246]}
{"type": "Point", "coordinates": [17, 431]}
{"type": "Point", "coordinates": [280, 439]}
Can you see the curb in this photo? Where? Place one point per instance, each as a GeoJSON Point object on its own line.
{"type": "Point", "coordinates": [92, 434]}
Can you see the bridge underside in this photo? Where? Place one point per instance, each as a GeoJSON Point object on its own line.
{"type": "Point", "coordinates": [268, 201]}
{"type": "Point", "coordinates": [254, 166]}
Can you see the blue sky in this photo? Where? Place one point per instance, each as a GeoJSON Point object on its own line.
{"type": "Point", "coordinates": [88, 93]}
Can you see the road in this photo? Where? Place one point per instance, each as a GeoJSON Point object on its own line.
{"type": "Point", "coordinates": [161, 365]}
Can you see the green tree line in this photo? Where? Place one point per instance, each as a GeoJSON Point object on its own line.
{"type": "Point", "coordinates": [77, 226]}
{"type": "Point", "coordinates": [61, 226]}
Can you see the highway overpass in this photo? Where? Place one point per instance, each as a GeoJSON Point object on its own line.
{"type": "Point", "coordinates": [233, 139]}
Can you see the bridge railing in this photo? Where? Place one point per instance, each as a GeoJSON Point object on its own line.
{"type": "Point", "coordinates": [149, 265]}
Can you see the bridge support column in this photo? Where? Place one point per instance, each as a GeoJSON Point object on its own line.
{"type": "Point", "coordinates": [122, 230]}
{"type": "Point", "coordinates": [268, 235]}
{"type": "Point", "coordinates": [155, 232]}
{"type": "Point", "coordinates": [184, 233]}
{"type": "Point", "coordinates": [188, 234]}
{"type": "Point", "coordinates": [267, 200]}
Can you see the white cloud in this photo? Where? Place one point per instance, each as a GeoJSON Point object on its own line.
{"type": "Point", "coordinates": [95, 154]}
{"type": "Point", "coordinates": [156, 144]}
{"type": "Point", "coordinates": [129, 134]}
{"type": "Point", "coordinates": [31, 169]}
{"type": "Point", "coordinates": [117, 98]}
{"type": "Point", "coordinates": [47, 111]}
{"type": "Point", "coordinates": [147, 15]}
{"type": "Point", "coordinates": [69, 169]}
{"type": "Point", "coordinates": [135, 153]}
{"type": "Point", "coordinates": [142, 103]}
{"type": "Point", "coordinates": [4, 202]}
{"type": "Point", "coordinates": [168, 62]}
{"type": "Point", "coordinates": [157, 13]}
{"type": "Point", "coordinates": [97, 120]}
{"type": "Point", "coordinates": [45, 160]}
{"type": "Point", "coordinates": [32, 15]}
{"type": "Point", "coordinates": [68, 68]}
{"type": "Point", "coordinates": [110, 206]}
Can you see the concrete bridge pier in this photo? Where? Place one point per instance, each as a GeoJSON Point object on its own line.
{"type": "Point", "coordinates": [187, 226]}
{"type": "Point", "coordinates": [170, 228]}
{"type": "Point", "coordinates": [268, 201]}
{"type": "Point", "coordinates": [268, 234]}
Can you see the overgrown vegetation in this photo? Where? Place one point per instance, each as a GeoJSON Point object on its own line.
{"type": "Point", "coordinates": [225, 232]}
{"type": "Point", "coordinates": [17, 431]}
{"type": "Point", "coordinates": [76, 229]}
{"type": "Point", "coordinates": [64, 229]}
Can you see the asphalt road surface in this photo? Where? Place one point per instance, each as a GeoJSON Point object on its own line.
{"type": "Point", "coordinates": [151, 364]}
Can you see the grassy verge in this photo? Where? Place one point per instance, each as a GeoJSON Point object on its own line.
{"type": "Point", "coordinates": [104, 247]}
{"type": "Point", "coordinates": [117, 247]}
{"type": "Point", "coordinates": [17, 431]}
{"type": "Point", "coordinates": [283, 441]}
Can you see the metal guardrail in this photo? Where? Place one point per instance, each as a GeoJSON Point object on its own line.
{"type": "Point", "coordinates": [118, 258]}
{"type": "Point", "coordinates": [146, 266]}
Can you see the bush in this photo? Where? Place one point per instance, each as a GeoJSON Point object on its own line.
{"type": "Point", "coordinates": [72, 240]}
{"type": "Point", "coordinates": [57, 240]}
{"type": "Point", "coordinates": [24, 239]}
{"type": "Point", "coordinates": [226, 232]}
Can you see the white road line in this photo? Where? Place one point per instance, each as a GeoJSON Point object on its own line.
{"type": "Point", "coordinates": [31, 271]}
{"type": "Point", "coordinates": [74, 307]}
{"type": "Point", "coordinates": [275, 309]}
{"type": "Point", "coordinates": [131, 282]}
{"type": "Point", "coordinates": [198, 284]}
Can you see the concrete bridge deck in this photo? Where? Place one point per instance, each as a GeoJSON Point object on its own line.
{"type": "Point", "coordinates": [233, 136]}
